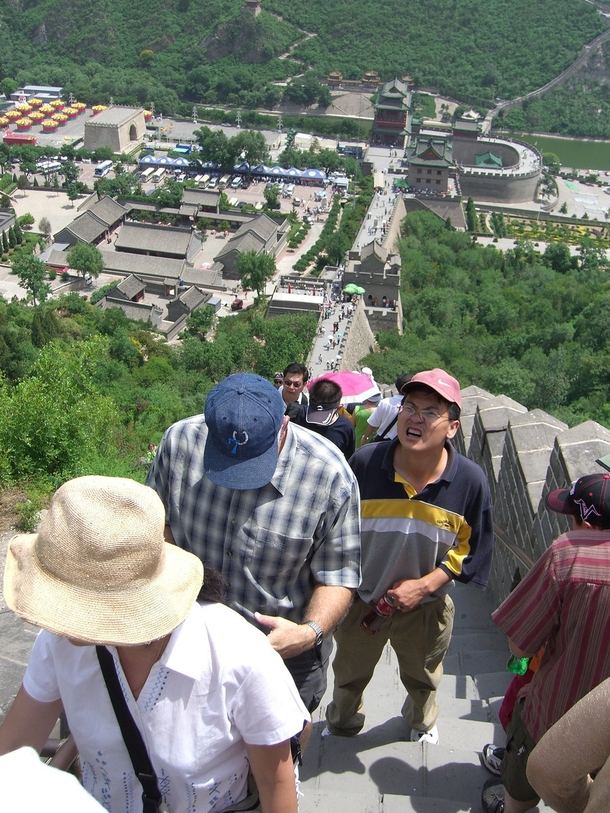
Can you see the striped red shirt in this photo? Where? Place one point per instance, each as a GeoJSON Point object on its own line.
{"type": "Point", "coordinates": [564, 604]}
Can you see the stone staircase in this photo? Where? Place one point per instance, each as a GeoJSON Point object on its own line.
{"type": "Point", "coordinates": [380, 770]}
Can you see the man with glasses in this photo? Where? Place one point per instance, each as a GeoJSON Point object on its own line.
{"type": "Point", "coordinates": [426, 521]}
{"type": "Point", "coordinates": [295, 378]}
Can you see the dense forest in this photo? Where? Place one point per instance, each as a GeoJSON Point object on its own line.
{"type": "Point", "coordinates": [533, 326]}
{"type": "Point", "coordinates": [85, 391]}
{"type": "Point", "coordinates": [177, 54]}
{"type": "Point", "coordinates": [581, 107]}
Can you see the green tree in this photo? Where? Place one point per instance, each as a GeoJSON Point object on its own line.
{"type": "Point", "coordinates": [199, 322]}
{"type": "Point", "coordinates": [86, 259]}
{"type": "Point", "coordinates": [8, 86]}
{"type": "Point", "coordinates": [44, 226]}
{"type": "Point", "coordinates": [254, 270]}
{"type": "Point", "coordinates": [471, 215]}
{"type": "Point", "coordinates": [12, 239]}
{"type": "Point", "coordinates": [324, 96]}
{"type": "Point", "coordinates": [272, 197]}
{"type": "Point", "coordinates": [32, 274]}
{"type": "Point", "coordinates": [70, 171]}
{"type": "Point", "coordinates": [558, 256]}
{"type": "Point", "coordinates": [169, 195]}
{"type": "Point", "coordinates": [73, 192]}
{"type": "Point", "coordinates": [5, 243]}
{"type": "Point", "coordinates": [223, 202]}
{"type": "Point", "coordinates": [214, 146]}
{"type": "Point", "coordinates": [250, 146]}
{"type": "Point", "coordinates": [146, 57]}
{"type": "Point", "coordinates": [25, 220]}
{"type": "Point", "coordinates": [55, 424]}
{"type": "Point", "coordinates": [551, 160]}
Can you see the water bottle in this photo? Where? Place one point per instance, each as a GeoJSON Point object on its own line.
{"type": "Point", "coordinates": [374, 620]}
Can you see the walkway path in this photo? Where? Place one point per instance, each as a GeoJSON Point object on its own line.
{"type": "Point", "coordinates": [380, 770]}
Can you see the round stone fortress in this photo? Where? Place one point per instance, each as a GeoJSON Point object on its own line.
{"type": "Point", "coordinates": [497, 170]}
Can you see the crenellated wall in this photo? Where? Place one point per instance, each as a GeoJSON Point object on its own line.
{"type": "Point", "coordinates": [524, 454]}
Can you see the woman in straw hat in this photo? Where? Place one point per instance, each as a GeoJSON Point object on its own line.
{"type": "Point", "coordinates": [209, 695]}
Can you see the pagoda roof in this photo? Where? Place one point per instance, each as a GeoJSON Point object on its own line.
{"type": "Point", "coordinates": [431, 151]}
{"type": "Point", "coordinates": [488, 159]}
{"type": "Point", "coordinates": [395, 88]}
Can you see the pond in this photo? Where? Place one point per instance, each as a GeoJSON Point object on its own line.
{"type": "Point", "coordinates": [573, 152]}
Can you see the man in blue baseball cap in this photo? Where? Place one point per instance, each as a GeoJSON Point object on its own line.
{"type": "Point", "coordinates": [275, 509]}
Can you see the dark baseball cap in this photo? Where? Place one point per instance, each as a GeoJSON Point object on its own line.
{"type": "Point", "coordinates": [588, 500]}
{"type": "Point", "coordinates": [244, 414]}
{"type": "Point", "coordinates": [321, 413]}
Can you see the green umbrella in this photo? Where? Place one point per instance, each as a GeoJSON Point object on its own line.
{"type": "Point", "coordinates": [352, 289]}
{"type": "Point", "coordinates": [359, 290]}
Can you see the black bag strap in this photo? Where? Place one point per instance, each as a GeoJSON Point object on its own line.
{"type": "Point", "coordinates": [151, 796]}
{"type": "Point", "coordinates": [387, 429]}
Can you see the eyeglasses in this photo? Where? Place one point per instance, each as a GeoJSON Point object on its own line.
{"type": "Point", "coordinates": [294, 384]}
{"type": "Point", "coordinates": [427, 415]}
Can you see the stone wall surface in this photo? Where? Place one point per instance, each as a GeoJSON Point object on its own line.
{"type": "Point", "coordinates": [498, 187]}
{"type": "Point", "coordinates": [524, 454]}
{"type": "Point", "coordinates": [359, 339]}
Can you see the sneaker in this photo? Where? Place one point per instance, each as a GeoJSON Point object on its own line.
{"type": "Point", "coordinates": [491, 758]}
{"type": "Point", "coordinates": [492, 796]}
{"type": "Point", "coordinates": [431, 736]}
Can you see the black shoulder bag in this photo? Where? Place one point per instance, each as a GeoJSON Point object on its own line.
{"type": "Point", "coordinates": [151, 795]}
{"type": "Point", "coordinates": [382, 436]}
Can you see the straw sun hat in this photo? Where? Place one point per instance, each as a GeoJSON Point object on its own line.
{"type": "Point", "coordinates": [99, 570]}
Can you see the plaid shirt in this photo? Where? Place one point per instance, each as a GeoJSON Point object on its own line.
{"type": "Point", "coordinates": [274, 544]}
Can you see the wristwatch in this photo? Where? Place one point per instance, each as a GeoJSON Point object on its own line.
{"type": "Point", "coordinates": [318, 631]}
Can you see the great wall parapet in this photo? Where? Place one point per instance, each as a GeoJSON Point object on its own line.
{"type": "Point", "coordinates": [524, 454]}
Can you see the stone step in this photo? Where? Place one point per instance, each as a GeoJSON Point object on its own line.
{"type": "Point", "coordinates": [476, 640]}
{"type": "Point", "coordinates": [474, 662]}
{"type": "Point", "coordinates": [384, 754]}
{"type": "Point", "coordinates": [378, 759]}
{"type": "Point", "coordinates": [335, 802]}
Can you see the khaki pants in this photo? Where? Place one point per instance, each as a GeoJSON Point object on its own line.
{"type": "Point", "coordinates": [419, 638]}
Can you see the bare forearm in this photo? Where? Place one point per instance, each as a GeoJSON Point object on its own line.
{"type": "Point", "coordinates": [327, 607]}
{"type": "Point", "coordinates": [274, 774]}
{"type": "Point", "coordinates": [28, 722]}
{"type": "Point", "coordinates": [367, 434]}
{"type": "Point", "coordinates": [517, 651]}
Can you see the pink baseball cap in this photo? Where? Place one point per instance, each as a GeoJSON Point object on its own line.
{"type": "Point", "coordinates": [438, 380]}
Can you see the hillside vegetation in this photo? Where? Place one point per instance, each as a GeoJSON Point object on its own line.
{"type": "Point", "coordinates": [84, 390]}
{"type": "Point", "coordinates": [580, 107]}
{"type": "Point", "coordinates": [213, 51]}
{"type": "Point", "coordinates": [533, 326]}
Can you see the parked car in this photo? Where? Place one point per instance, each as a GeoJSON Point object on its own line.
{"type": "Point", "coordinates": [237, 304]}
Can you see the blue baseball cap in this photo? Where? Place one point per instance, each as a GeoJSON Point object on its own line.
{"type": "Point", "coordinates": [243, 415]}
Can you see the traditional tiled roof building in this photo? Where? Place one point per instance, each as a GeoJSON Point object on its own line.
{"type": "Point", "coordinates": [430, 159]}
{"type": "Point", "coordinates": [392, 111]}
